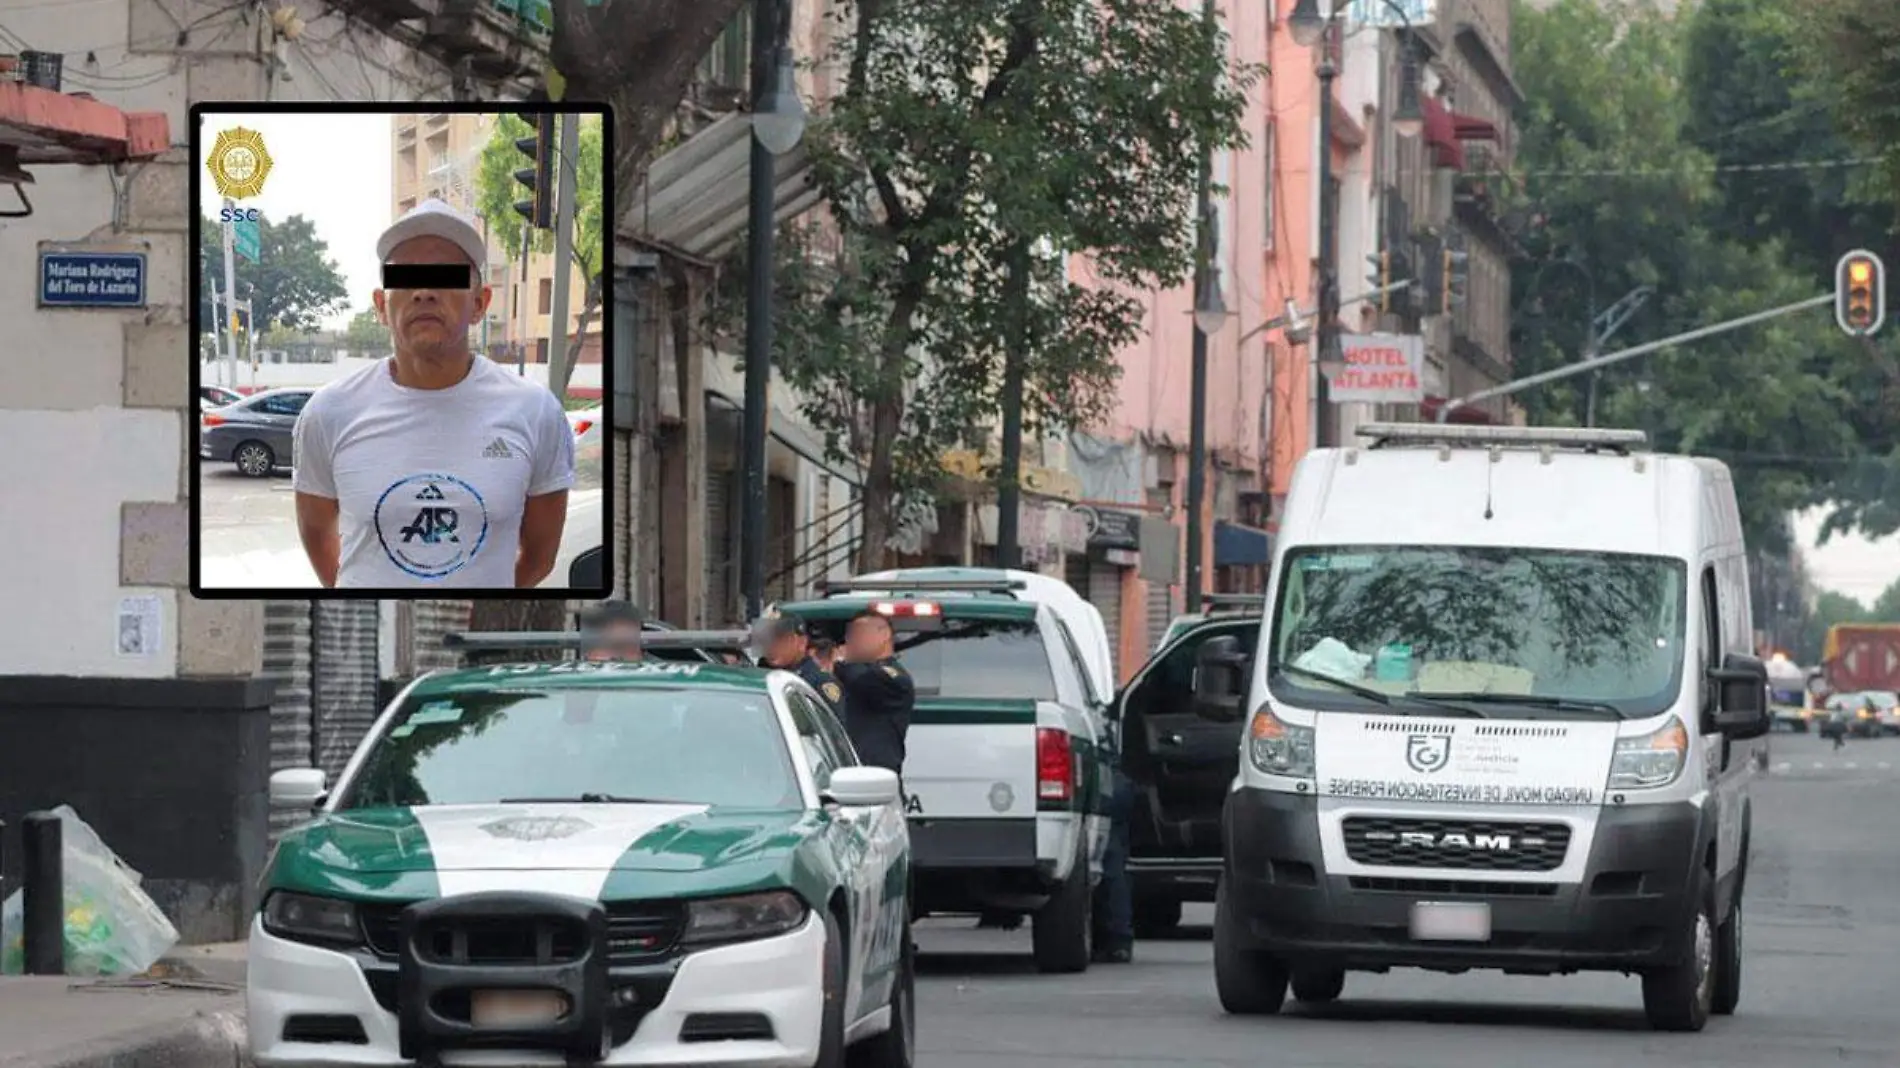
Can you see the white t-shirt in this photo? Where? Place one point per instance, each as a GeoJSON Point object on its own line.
{"type": "Point", "coordinates": [431, 483]}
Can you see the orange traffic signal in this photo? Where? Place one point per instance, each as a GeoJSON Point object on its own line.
{"type": "Point", "coordinates": [1860, 299]}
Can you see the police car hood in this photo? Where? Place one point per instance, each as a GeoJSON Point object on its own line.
{"type": "Point", "coordinates": [1400, 758]}
{"type": "Point", "coordinates": [548, 837]}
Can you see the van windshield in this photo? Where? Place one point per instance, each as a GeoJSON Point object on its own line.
{"type": "Point", "coordinates": [1601, 630]}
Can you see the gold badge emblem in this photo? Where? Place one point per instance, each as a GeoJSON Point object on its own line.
{"type": "Point", "coordinates": [893, 672]}
{"type": "Point", "coordinates": [239, 163]}
{"type": "Point", "coordinates": [832, 692]}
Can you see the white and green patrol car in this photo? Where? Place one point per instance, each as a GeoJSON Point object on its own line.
{"type": "Point", "coordinates": [1007, 760]}
{"type": "Point", "coordinates": [601, 863]}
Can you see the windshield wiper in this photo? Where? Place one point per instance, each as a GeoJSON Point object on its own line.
{"type": "Point", "coordinates": [1563, 704]}
{"type": "Point", "coordinates": [584, 799]}
{"type": "Point", "coordinates": [1379, 696]}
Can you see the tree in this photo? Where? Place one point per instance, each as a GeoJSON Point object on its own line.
{"type": "Point", "coordinates": [1830, 608]}
{"type": "Point", "coordinates": [1887, 605]}
{"type": "Point", "coordinates": [497, 191]}
{"type": "Point", "coordinates": [1624, 193]}
{"type": "Point", "coordinates": [367, 335]}
{"type": "Point", "coordinates": [295, 284]}
{"type": "Point", "coordinates": [972, 141]}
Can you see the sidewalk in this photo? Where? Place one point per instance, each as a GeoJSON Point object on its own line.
{"type": "Point", "coordinates": [192, 1017]}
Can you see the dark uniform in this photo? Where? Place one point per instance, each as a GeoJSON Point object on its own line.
{"type": "Point", "coordinates": [878, 699]}
{"type": "Point", "coordinates": [825, 683]}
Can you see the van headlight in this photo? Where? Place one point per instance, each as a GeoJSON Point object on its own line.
{"type": "Point", "coordinates": [308, 918]}
{"type": "Point", "coordinates": [720, 920]}
{"type": "Point", "coordinates": [1650, 760]}
{"type": "Point", "coordinates": [1277, 747]}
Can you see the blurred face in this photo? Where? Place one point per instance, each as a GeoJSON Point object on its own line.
{"type": "Point", "coordinates": [786, 651]}
{"type": "Point", "coordinates": [868, 638]}
{"type": "Point", "coordinates": [623, 642]}
{"type": "Point", "coordinates": [432, 323]}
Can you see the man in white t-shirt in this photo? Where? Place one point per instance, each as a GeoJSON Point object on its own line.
{"type": "Point", "coordinates": [435, 468]}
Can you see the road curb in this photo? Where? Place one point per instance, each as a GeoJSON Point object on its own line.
{"type": "Point", "coordinates": [202, 1040]}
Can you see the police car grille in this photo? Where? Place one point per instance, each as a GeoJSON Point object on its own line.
{"type": "Point", "coordinates": [382, 928]}
{"type": "Point", "coordinates": [643, 931]}
{"type": "Point", "coordinates": [1466, 845]}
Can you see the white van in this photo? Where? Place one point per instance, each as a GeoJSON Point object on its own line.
{"type": "Point", "coordinates": [1502, 715]}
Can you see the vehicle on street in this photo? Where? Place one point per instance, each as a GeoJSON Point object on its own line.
{"type": "Point", "coordinates": [1787, 693]}
{"type": "Point", "coordinates": [1004, 770]}
{"type": "Point", "coordinates": [254, 433]}
{"type": "Point", "coordinates": [217, 397]}
{"type": "Point", "coordinates": [1859, 657]}
{"type": "Point", "coordinates": [615, 863]}
{"type": "Point", "coordinates": [1504, 713]}
{"type": "Point", "coordinates": [1215, 605]}
{"type": "Point", "coordinates": [1864, 715]}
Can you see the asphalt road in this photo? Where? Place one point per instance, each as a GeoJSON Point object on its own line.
{"type": "Point", "coordinates": [249, 531]}
{"type": "Point", "coordinates": [1820, 980]}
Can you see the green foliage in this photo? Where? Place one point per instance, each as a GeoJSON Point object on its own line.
{"type": "Point", "coordinates": [295, 285]}
{"type": "Point", "coordinates": [1629, 114]}
{"type": "Point", "coordinates": [969, 136]}
{"type": "Point", "coordinates": [367, 335]}
{"type": "Point", "coordinates": [1830, 608]}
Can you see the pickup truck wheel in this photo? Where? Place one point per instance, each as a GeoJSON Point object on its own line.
{"type": "Point", "coordinates": [1679, 997]}
{"type": "Point", "coordinates": [1320, 986]}
{"type": "Point", "coordinates": [1062, 934]}
{"type": "Point", "coordinates": [1249, 982]}
{"type": "Point", "coordinates": [1157, 917]}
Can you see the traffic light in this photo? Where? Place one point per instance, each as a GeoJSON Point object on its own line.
{"type": "Point", "coordinates": [538, 209]}
{"type": "Point", "coordinates": [1380, 279]}
{"type": "Point", "coordinates": [1457, 274]}
{"type": "Point", "coordinates": [1860, 293]}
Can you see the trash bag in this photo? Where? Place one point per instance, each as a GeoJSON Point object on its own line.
{"type": "Point", "coordinates": [112, 926]}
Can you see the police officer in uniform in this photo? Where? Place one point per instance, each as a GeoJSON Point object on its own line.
{"type": "Point", "coordinates": [878, 693]}
{"type": "Point", "coordinates": [786, 645]}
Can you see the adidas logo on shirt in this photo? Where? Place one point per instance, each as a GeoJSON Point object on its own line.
{"type": "Point", "coordinates": [498, 450]}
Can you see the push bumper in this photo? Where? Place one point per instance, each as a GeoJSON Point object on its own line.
{"type": "Point", "coordinates": [1626, 914]}
{"type": "Point", "coordinates": [757, 1005]}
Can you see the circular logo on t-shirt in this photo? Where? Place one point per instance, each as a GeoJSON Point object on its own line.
{"type": "Point", "coordinates": [431, 526]}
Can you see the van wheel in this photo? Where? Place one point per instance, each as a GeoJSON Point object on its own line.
{"type": "Point", "coordinates": [1679, 997]}
{"type": "Point", "coordinates": [1061, 934]}
{"type": "Point", "coordinates": [1319, 987]}
{"type": "Point", "coordinates": [1249, 982]}
{"type": "Point", "coordinates": [1157, 917]}
{"type": "Point", "coordinates": [831, 1023]}
{"type": "Point", "coordinates": [897, 1047]}
{"type": "Point", "coordinates": [1728, 962]}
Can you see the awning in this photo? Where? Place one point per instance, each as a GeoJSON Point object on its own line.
{"type": "Point", "coordinates": [694, 200]}
{"type": "Point", "coordinates": [1472, 128]}
{"type": "Point", "coordinates": [49, 127]}
{"type": "Point", "coordinates": [1441, 135]}
{"type": "Point", "coordinates": [1468, 414]}
{"type": "Point", "coordinates": [1241, 546]}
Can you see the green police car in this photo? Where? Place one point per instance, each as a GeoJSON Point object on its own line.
{"type": "Point", "coordinates": [598, 862]}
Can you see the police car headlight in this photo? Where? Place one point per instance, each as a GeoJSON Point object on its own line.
{"type": "Point", "coordinates": [719, 920]}
{"type": "Point", "coordinates": [308, 918]}
{"type": "Point", "coordinates": [1650, 760]}
{"type": "Point", "coordinates": [1276, 747]}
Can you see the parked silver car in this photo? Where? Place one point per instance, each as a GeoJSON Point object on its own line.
{"type": "Point", "coordinates": [254, 433]}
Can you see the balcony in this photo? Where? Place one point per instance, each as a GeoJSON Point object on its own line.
{"type": "Point", "coordinates": [1489, 197]}
{"type": "Point", "coordinates": [500, 40]}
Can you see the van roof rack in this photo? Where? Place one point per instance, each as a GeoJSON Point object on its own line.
{"type": "Point", "coordinates": [832, 587]}
{"type": "Point", "coordinates": [1588, 439]}
{"type": "Point", "coordinates": [526, 640]}
{"type": "Point", "coordinates": [1234, 600]}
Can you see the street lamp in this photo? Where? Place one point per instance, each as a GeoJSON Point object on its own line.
{"type": "Point", "coordinates": [1408, 119]}
{"type": "Point", "coordinates": [1306, 24]}
{"type": "Point", "coordinates": [1210, 308]}
{"type": "Point", "coordinates": [778, 117]}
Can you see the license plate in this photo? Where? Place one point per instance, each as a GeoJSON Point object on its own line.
{"type": "Point", "coordinates": [515, 1008]}
{"type": "Point", "coordinates": [1451, 921]}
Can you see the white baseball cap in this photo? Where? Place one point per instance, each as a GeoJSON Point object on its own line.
{"type": "Point", "coordinates": [434, 218]}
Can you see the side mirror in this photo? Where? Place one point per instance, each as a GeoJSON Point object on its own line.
{"type": "Point", "coordinates": [1741, 696]}
{"type": "Point", "coordinates": [588, 572]}
{"type": "Point", "coordinates": [1220, 669]}
{"type": "Point", "coordinates": [297, 788]}
{"type": "Point", "coordinates": [861, 787]}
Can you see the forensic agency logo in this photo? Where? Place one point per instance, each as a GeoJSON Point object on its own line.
{"type": "Point", "coordinates": [239, 163]}
{"type": "Point", "coordinates": [431, 525]}
{"type": "Point", "coordinates": [1426, 753]}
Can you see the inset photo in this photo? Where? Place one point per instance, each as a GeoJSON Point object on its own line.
{"type": "Point", "coordinates": [400, 351]}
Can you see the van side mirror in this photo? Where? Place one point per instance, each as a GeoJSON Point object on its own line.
{"type": "Point", "coordinates": [1741, 696]}
{"type": "Point", "coordinates": [1220, 679]}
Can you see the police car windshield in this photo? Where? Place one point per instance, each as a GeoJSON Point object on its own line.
{"type": "Point", "coordinates": [1574, 633]}
{"type": "Point", "coordinates": [678, 745]}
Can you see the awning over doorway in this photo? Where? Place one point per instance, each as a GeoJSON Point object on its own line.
{"type": "Point", "coordinates": [1241, 546]}
{"type": "Point", "coordinates": [48, 127]}
{"type": "Point", "coordinates": [695, 198]}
